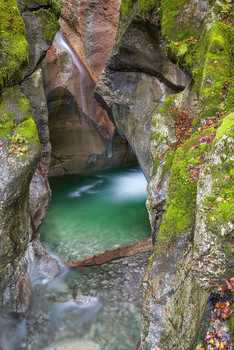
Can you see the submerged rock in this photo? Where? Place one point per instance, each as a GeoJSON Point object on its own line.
{"type": "Point", "coordinates": [77, 344]}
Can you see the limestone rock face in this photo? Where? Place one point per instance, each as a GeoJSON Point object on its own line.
{"type": "Point", "coordinates": [41, 24]}
{"type": "Point", "coordinates": [91, 27]}
{"type": "Point", "coordinates": [16, 175]}
{"type": "Point", "coordinates": [183, 139]}
{"type": "Point", "coordinates": [39, 188]}
{"type": "Point", "coordinates": [136, 81]}
{"type": "Point", "coordinates": [82, 136]}
{"type": "Point", "coordinates": [24, 186]}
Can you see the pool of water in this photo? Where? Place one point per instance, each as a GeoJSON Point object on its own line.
{"type": "Point", "coordinates": [95, 308]}
{"type": "Point", "coordinates": [89, 214]}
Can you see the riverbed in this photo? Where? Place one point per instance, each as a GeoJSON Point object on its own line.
{"type": "Point", "coordinates": [95, 308]}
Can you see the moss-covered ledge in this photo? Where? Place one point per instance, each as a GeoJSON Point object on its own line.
{"type": "Point", "coordinates": [13, 45]}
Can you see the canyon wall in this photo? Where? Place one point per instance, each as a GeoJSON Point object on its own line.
{"type": "Point", "coordinates": [168, 86]}
{"type": "Point", "coordinates": [167, 90]}
{"type": "Point", "coordinates": [25, 147]}
{"type": "Point", "coordinates": [82, 136]}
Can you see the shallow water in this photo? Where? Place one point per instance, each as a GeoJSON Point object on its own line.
{"type": "Point", "coordinates": [96, 308]}
{"type": "Point", "coordinates": [92, 213]}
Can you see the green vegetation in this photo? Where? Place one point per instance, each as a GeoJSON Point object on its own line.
{"type": "Point", "coordinates": [16, 122]}
{"type": "Point", "coordinates": [52, 25]}
{"type": "Point", "coordinates": [181, 201]}
{"type": "Point", "coordinates": [146, 6]}
{"type": "Point", "coordinates": [6, 124]}
{"type": "Point", "coordinates": [28, 130]}
{"type": "Point", "coordinates": [227, 127]}
{"type": "Point", "coordinates": [229, 103]}
{"type": "Point", "coordinates": [169, 161]}
{"type": "Point", "coordinates": [49, 17]}
{"type": "Point", "coordinates": [231, 325]}
{"type": "Point", "coordinates": [219, 207]}
{"type": "Point", "coordinates": [173, 29]}
{"type": "Point", "coordinates": [13, 45]}
{"type": "Point", "coordinates": [126, 6]}
{"type": "Point", "coordinates": [53, 4]}
{"type": "Point", "coordinates": [213, 69]}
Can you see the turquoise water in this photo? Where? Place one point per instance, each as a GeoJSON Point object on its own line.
{"type": "Point", "coordinates": [87, 215]}
{"type": "Point", "coordinates": [92, 213]}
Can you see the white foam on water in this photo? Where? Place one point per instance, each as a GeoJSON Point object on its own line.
{"type": "Point", "coordinates": [129, 186]}
{"type": "Point", "coordinates": [85, 189]}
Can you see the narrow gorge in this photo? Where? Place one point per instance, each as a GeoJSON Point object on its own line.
{"type": "Point", "coordinates": [105, 105]}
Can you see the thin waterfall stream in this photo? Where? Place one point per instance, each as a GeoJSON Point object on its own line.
{"type": "Point", "coordinates": [60, 41]}
{"type": "Point", "coordinates": [95, 308]}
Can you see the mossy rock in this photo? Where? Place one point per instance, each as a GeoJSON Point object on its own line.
{"type": "Point", "coordinates": [213, 70]}
{"type": "Point", "coordinates": [16, 115]}
{"type": "Point", "coordinates": [13, 45]}
{"type": "Point", "coordinates": [223, 183]}
{"type": "Point", "coordinates": [49, 18]}
{"type": "Point", "coordinates": [147, 6]}
{"type": "Point", "coordinates": [35, 4]}
{"type": "Point", "coordinates": [176, 26]}
{"type": "Point", "coordinates": [126, 6]}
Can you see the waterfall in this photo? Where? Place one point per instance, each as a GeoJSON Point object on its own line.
{"type": "Point", "coordinates": [60, 42]}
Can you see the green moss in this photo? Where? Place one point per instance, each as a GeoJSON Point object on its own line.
{"type": "Point", "coordinates": [168, 104]}
{"type": "Point", "coordinates": [229, 103]}
{"type": "Point", "coordinates": [227, 127]}
{"type": "Point", "coordinates": [223, 211]}
{"type": "Point", "coordinates": [146, 6]}
{"type": "Point", "coordinates": [231, 325]}
{"type": "Point", "coordinates": [13, 45]}
{"type": "Point", "coordinates": [28, 130]}
{"type": "Point", "coordinates": [169, 160]}
{"type": "Point", "coordinates": [221, 199]}
{"type": "Point", "coordinates": [181, 200]}
{"type": "Point", "coordinates": [157, 136]}
{"type": "Point", "coordinates": [6, 124]}
{"type": "Point", "coordinates": [51, 25]}
{"type": "Point", "coordinates": [14, 103]}
{"type": "Point", "coordinates": [126, 6]}
{"type": "Point", "coordinates": [49, 17]}
{"type": "Point", "coordinates": [214, 56]}
{"type": "Point", "coordinates": [16, 115]}
{"type": "Point", "coordinates": [179, 218]}
{"type": "Point", "coordinates": [214, 67]}
{"type": "Point", "coordinates": [175, 26]}
{"type": "Point", "coordinates": [157, 162]}
{"type": "Point", "coordinates": [35, 4]}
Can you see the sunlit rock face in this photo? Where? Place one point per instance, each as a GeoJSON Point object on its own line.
{"type": "Point", "coordinates": [83, 137]}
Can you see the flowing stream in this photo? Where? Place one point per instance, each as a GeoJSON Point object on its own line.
{"type": "Point", "coordinates": [95, 308]}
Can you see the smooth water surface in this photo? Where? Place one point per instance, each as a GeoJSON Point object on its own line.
{"type": "Point", "coordinates": [92, 213]}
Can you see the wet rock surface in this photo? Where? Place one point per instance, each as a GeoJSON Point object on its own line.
{"type": "Point", "coordinates": [83, 137]}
